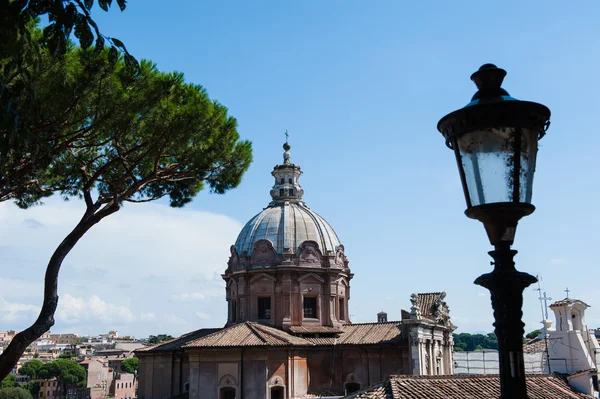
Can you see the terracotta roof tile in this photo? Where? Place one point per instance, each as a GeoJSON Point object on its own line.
{"type": "Point", "coordinates": [178, 343]}
{"type": "Point", "coordinates": [425, 302]}
{"type": "Point", "coordinates": [567, 301]}
{"type": "Point", "coordinates": [363, 334]}
{"type": "Point", "coordinates": [534, 346]}
{"type": "Point", "coordinates": [247, 334]}
{"type": "Point", "coordinates": [315, 330]}
{"type": "Point", "coordinates": [464, 387]}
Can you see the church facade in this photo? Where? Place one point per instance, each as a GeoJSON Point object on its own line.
{"type": "Point", "coordinates": [288, 332]}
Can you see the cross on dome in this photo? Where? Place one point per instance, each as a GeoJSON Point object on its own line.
{"type": "Point", "coordinates": [286, 147]}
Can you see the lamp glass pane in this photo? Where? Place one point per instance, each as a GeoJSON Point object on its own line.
{"type": "Point", "coordinates": [487, 158]}
{"type": "Point", "coordinates": [529, 148]}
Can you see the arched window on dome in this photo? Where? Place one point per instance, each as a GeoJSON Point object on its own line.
{"type": "Point", "coordinates": [290, 180]}
{"type": "Point", "coordinates": [282, 180]}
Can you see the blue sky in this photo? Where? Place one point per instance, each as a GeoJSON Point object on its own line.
{"type": "Point", "coordinates": [360, 86]}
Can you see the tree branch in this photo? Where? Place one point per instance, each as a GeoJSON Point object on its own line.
{"type": "Point", "coordinates": [45, 320]}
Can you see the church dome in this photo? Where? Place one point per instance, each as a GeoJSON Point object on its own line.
{"type": "Point", "coordinates": [287, 222]}
{"type": "Point", "coordinates": [287, 225]}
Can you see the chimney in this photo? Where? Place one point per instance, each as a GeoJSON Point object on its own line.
{"type": "Point", "coordinates": [382, 317]}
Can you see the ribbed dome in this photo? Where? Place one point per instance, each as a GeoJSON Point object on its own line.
{"type": "Point", "coordinates": [287, 225]}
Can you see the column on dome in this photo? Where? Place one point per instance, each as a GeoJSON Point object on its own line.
{"type": "Point", "coordinates": [286, 293]}
{"type": "Point", "coordinates": [243, 310]}
{"type": "Point", "coordinates": [332, 296]}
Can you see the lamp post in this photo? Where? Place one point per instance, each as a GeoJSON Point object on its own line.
{"type": "Point", "coordinates": [495, 141]}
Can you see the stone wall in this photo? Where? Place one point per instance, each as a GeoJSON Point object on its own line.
{"type": "Point", "coordinates": [255, 372]}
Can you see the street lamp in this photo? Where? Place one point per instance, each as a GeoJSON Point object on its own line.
{"type": "Point", "coordinates": [495, 141]}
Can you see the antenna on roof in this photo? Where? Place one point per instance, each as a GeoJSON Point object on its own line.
{"type": "Point", "coordinates": [544, 307]}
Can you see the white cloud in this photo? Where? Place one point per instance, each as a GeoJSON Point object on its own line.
{"type": "Point", "coordinates": [203, 316]}
{"type": "Point", "coordinates": [147, 262]}
{"type": "Point", "coordinates": [75, 310]}
{"type": "Point", "coordinates": [189, 297]}
{"type": "Point", "coordinates": [14, 312]}
{"type": "Point", "coordinates": [147, 316]}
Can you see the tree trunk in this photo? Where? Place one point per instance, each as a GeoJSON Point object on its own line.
{"type": "Point", "coordinates": [45, 320]}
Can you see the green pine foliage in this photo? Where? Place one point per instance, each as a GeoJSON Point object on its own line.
{"type": "Point", "coordinates": [130, 365]}
{"type": "Point", "coordinates": [68, 372]}
{"type": "Point", "coordinates": [465, 342]}
{"type": "Point", "coordinates": [157, 339]}
{"type": "Point", "coordinates": [31, 368]}
{"type": "Point", "coordinates": [533, 334]}
{"type": "Point", "coordinates": [33, 387]}
{"type": "Point", "coordinates": [15, 393]}
{"type": "Point", "coordinates": [10, 381]}
{"type": "Point", "coordinates": [99, 130]}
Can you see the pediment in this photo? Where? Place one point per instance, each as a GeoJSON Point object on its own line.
{"type": "Point", "coordinates": [230, 282]}
{"type": "Point", "coordinates": [262, 276]}
{"type": "Point", "coordinates": [342, 281]}
{"type": "Point", "coordinates": [263, 254]}
{"type": "Point", "coordinates": [311, 275]}
{"type": "Point", "coordinates": [309, 253]}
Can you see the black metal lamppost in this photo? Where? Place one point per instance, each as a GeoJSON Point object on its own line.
{"type": "Point", "coordinates": [495, 141]}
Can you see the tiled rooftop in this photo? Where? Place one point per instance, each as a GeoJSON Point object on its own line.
{"type": "Point", "coordinates": [464, 387]}
{"type": "Point", "coordinates": [247, 334]}
{"type": "Point", "coordinates": [534, 346]}
{"type": "Point", "coordinates": [425, 302]}
{"type": "Point", "coordinates": [314, 330]}
{"type": "Point", "coordinates": [251, 334]}
{"type": "Point", "coordinates": [177, 343]}
{"type": "Point", "coordinates": [567, 301]}
{"type": "Point", "coordinates": [362, 334]}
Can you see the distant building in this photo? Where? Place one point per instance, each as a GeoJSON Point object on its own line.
{"type": "Point", "coordinates": [124, 386]}
{"type": "Point", "coordinates": [99, 378]}
{"type": "Point", "coordinates": [67, 339]}
{"type": "Point", "coordinates": [49, 388]}
{"type": "Point", "coordinates": [5, 338]}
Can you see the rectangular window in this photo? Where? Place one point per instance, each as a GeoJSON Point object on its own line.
{"type": "Point", "coordinates": [341, 305]}
{"type": "Point", "coordinates": [264, 308]}
{"type": "Point", "coordinates": [234, 311]}
{"type": "Point", "coordinates": [281, 192]}
{"type": "Point", "coordinates": [310, 307]}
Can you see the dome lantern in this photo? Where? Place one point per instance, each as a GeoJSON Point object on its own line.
{"type": "Point", "coordinates": [287, 187]}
